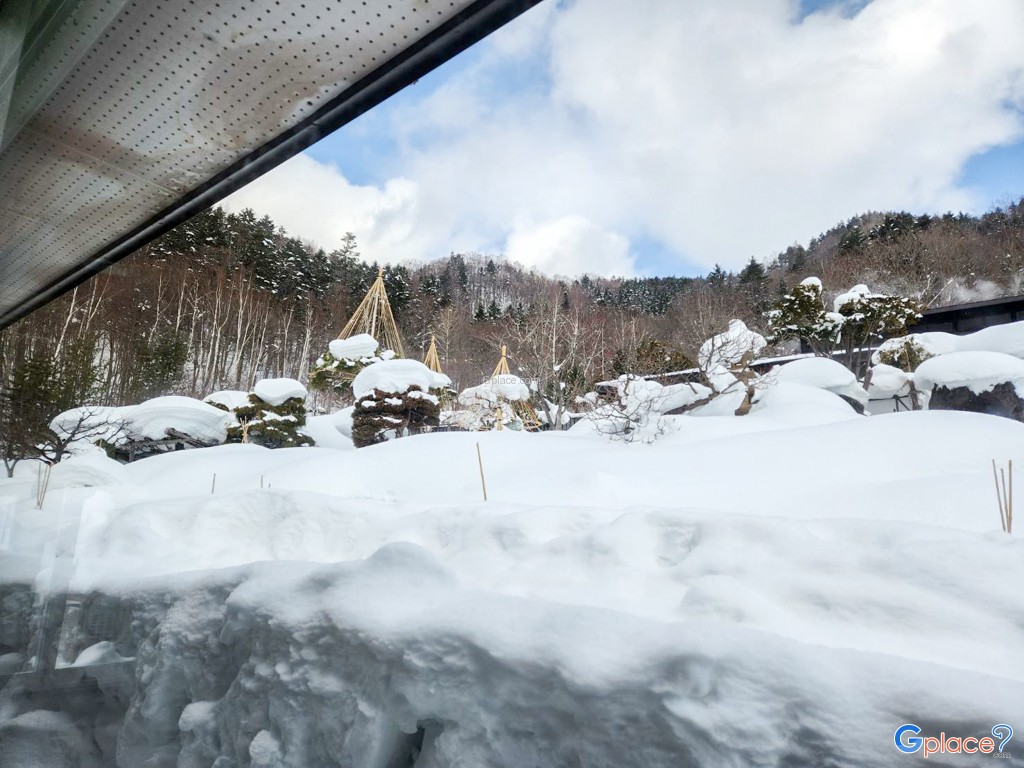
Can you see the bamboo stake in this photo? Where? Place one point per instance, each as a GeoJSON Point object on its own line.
{"type": "Point", "coordinates": [999, 497]}
{"type": "Point", "coordinates": [1010, 500]}
{"type": "Point", "coordinates": [480, 460]}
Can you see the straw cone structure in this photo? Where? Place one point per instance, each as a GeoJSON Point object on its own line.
{"type": "Point", "coordinates": [521, 408]}
{"type": "Point", "coordinates": [432, 360]}
{"type": "Point", "coordinates": [374, 316]}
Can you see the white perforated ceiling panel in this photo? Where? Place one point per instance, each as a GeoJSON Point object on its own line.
{"type": "Point", "coordinates": [124, 117]}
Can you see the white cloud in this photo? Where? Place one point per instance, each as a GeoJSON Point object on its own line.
{"type": "Point", "coordinates": [721, 130]}
{"type": "Point", "coordinates": [314, 201]}
{"type": "Point", "coordinates": [570, 246]}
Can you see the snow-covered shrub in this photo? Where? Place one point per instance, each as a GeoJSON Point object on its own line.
{"type": "Point", "coordinates": [273, 416]}
{"type": "Point", "coordinates": [480, 406]}
{"type": "Point", "coordinates": [903, 352]}
{"type": "Point", "coordinates": [343, 361]}
{"type": "Point", "coordinates": [737, 346]}
{"type": "Point", "coordinates": [394, 397]}
{"type": "Point", "coordinates": [631, 409]}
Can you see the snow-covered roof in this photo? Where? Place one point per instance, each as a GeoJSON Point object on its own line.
{"type": "Point", "coordinates": [397, 376]}
{"type": "Point", "coordinates": [277, 391]}
{"type": "Point", "coordinates": [149, 420]}
{"type": "Point", "coordinates": [229, 398]}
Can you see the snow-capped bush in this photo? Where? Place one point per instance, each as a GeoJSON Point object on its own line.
{"type": "Point", "coordinates": [273, 421]}
{"type": "Point", "coordinates": [631, 408]}
{"type": "Point", "coordinates": [393, 398]}
{"type": "Point", "coordinates": [344, 360]}
{"type": "Point", "coordinates": [731, 347]}
{"type": "Point", "coordinates": [479, 406]}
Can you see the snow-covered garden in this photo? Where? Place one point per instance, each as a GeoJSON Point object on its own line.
{"type": "Point", "coordinates": [785, 587]}
{"type": "Point", "coordinates": [753, 564]}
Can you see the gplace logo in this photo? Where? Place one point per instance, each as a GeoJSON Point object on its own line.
{"type": "Point", "coordinates": [908, 741]}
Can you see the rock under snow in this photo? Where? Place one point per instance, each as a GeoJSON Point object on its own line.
{"type": "Point", "coordinates": [977, 371]}
{"type": "Point", "coordinates": [277, 391]}
{"type": "Point", "coordinates": [981, 382]}
{"type": "Point", "coordinates": [356, 347]}
{"type": "Point", "coordinates": [397, 376]}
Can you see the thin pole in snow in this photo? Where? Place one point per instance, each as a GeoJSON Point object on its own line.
{"type": "Point", "coordinates": [480, 460]}
{"type": "Point", "coordinates": [213, 485]}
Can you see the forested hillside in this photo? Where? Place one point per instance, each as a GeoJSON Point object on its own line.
{"type": "Point", "coordinates": [226, 299]}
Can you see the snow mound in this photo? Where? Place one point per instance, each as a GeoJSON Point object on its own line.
{"type": "Point", "coordinates": [153, 418]}
{"type": "Point", "coordinates": [277, 391]}
{"type": "Point", "coordinates": [89, 468]}
{"type": "Point", "coordinates": [397, 376]}
{"type": "Point", "coordinates": [331, 430]}
{"type": "Point", "coordinates": [822, 373]}
{"type": "Point", "coordinates": [354, 348]}
{"type": "Point", "coordinates": [798, 404]}
{"type": "Point", "coordinates": [728, 348]}
{"type": "Point", "coordinates": [978, 371]}
{"type": "Point", "coordinates": [888, 381]}
{"type": "Point", "coordinates": [229, 398]}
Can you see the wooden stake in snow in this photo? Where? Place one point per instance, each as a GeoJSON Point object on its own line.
{"type": "Point", "coordinates": [42, 482]}
{"type": "Point", "coordinates": [480, 460]}
{"type": "Point", "coordinates": [1004, 495]}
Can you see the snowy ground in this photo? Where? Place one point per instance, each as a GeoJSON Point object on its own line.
{"type": "Point", "coordinates": [781, 589]}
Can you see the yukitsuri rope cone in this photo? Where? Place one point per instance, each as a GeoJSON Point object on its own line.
{"type": "Point", "coordinates": [432, 360]}
{"type": "Point", "coordinates": [374, 316]}
{"type": "Point", "coordinates": [521, 408]}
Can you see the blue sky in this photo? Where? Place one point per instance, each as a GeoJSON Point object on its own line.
{"type": "Point", "coordinates": [675, 134]}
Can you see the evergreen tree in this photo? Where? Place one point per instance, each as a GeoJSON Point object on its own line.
{"type": "Point", "coordinates": [717, 277]}
{"type": "Point", "coordinates": [753, 273]}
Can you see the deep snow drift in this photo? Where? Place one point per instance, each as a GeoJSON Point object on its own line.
{"type": "Point", "coordinates": [784, 588]}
